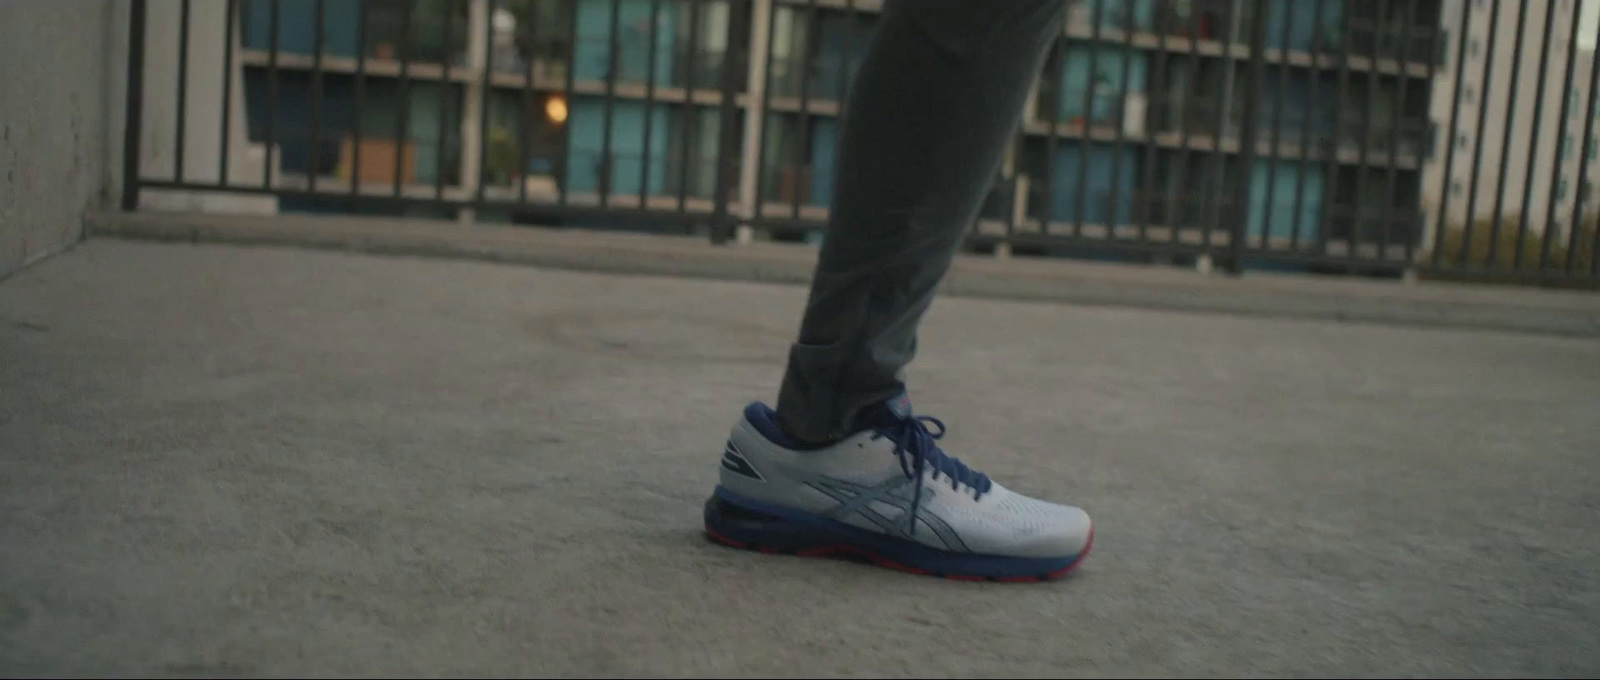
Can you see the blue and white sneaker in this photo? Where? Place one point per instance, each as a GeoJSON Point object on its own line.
{"type": "Point", "coordinates": [888, 495]}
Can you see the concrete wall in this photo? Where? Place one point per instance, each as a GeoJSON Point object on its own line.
{"type": "Point", "coordinates": [61, 100]}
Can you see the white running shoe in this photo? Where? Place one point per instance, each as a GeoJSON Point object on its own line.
{"type": "Point", "coordinates": [888, 495]}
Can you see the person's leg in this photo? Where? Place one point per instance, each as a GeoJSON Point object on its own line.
{"type": "Point", "coordinates": [935, 100]}
{"type": "Point", "coordinates": [933, 106]}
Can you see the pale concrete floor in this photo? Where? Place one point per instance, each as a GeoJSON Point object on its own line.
{"type": "Point", "coordinates": [219, 460]}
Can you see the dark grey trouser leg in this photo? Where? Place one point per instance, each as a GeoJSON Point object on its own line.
{"type": "Point", "coordinates": [936, 99]}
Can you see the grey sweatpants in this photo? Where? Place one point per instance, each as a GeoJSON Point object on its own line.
{"type": "Point", "coordinates": [937, 96]}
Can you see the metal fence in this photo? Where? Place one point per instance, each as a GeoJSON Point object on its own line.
{"type": "Point", "coordinates": [1451, 138]}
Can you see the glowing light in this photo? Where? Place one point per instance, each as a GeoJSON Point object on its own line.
{"type": "Point", "coordinates": [555, 108]}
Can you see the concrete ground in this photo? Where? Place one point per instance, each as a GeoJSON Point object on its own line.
{"type": "Point", "coordinates": [248, 461]}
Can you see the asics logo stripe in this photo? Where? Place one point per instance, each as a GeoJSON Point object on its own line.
{"type": "Point", "coordinates": [733, 460]}
{"type": "Point", "coordinates": [858, 499]}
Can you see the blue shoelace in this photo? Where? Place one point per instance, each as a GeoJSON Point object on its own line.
{"type": "Point", "coordinates": [915, 446]}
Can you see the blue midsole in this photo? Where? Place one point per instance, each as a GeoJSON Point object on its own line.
{"type": "Point", "coordinates": [789, 530]}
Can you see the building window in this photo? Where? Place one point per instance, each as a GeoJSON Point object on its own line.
{"type": "Point", "coordinates": [1461, 142]}
{"type": "Point", "coordinates": [1455, 188]}
{"type": "Point", "coordinates": [1473, 46]}
{"type": "Point", "coordinates": [1594, 148]}
{"type": "Point", "coordinates": [1566, 146]}
{"type": "Point", "coordinates": [1561, 189]}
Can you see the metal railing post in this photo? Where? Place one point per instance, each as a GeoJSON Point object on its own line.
{"type": "Point", "coordinates": [1240, 213]}
{"type": "Point", "coordinates": [733, 69]}
{"type": "Point", "coordinates": [134, 107]}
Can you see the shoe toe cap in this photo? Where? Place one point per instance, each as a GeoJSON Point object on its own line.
{"type": "Point", "coordinates": [1066, 533]}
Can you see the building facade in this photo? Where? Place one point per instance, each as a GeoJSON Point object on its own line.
{"type": "Point", "coordinates": [1515, 114]}
{"type": "Point", "coordinates": [1137, 125]}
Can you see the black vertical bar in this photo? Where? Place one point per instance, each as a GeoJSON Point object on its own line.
{"type": "Point", "coordinates": [1249, 132]}
{"type": "Point", "coordinates": [1088, 119]}
{"type": "Point", "coordinates": [1483, 117]}
{"type": "Point", "coordinates": [1594, 247]}
{"type": "Point", "coordinates": [1533, 141]}
{"type": "Point", "coordinates": [728, 114]}
{"type": "Point", "coordinates": [1414, 219]}
{"type": "Point", "coordinates": [1213, 197]}
{"type": "Point", "coordinates": [227, 91]}
{"type": "Point", "coordinates": [1121, 122]}
{"type": "Point", "coordinates": [446, 95]}
{"type": "Point", "coordinates": [183, 91]}
{"type": "Point", "coordinates": [360, 89]}
{"type": "Point", "coordinates": [1303, 167]}
{"type": "Point", "coordinates": [133, 107]}
{"type": "Point", "coordinates": [526, 113]}
{"type": "Point", "coordinates": [803, 138]}
{"type": "Point", "coordinates": [1374, 74]}
{"type": "Point", "coordinates": [1017, 147]}
{"type": "Point", "coordinates": [846, 56]}
{"type": "Point", "coordinates": [572, 103]}
{"type": "Point", "coordinates": [766, 117]}
{"type": "Point", "coordinates": [313, 159]}
{"type": "Point", "coordinates": [272, 97]}
{"type": "Point", "coordinates": [1511, 129]}
{"type": "Point", "coordinates": [613, 73]}
{"type": "Point", "coordinates": [403, 121]}
{"type": "Point", "coordinates": [691, 111]}
{"type": "Point", "coordinates": [1277, 121]}
{"type": "Point", "coordinates": [486, 100]}
{"type": "Point", "coordinates": [1402, 83]}
{"type": "Point", "coordinates": [1455, 117]}
{"type": "Point", "coordinates": [649, 104]}
{"type": "Point", "coordinates": [1583, 172]}
{"type": "Point", "coordinates": [1058, 46]}
{"type": "Point", "coordinates": [1183, 125]}
{"type": "Point", "coordinates": [1566, 110]}
{"type": "Point", "coordinates": [1152, 146]}
{"type": "Point", "coordinates": [1331, 198]}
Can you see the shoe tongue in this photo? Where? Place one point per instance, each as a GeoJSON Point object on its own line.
{"type": "Point", "coordinates": [900, 406]}
{"type": "Point", "coordinates": [885, 414]}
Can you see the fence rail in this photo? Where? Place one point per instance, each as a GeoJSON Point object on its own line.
{"type": "Point", "coordinates": [1452, 138]}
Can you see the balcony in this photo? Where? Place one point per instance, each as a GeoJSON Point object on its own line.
{"type": "Point", "coordinates": [1392, 40]}
{"type": "Point", "coordinates": [1108, 109]}
{"type": "Point", "coordinates": [1116, 15]}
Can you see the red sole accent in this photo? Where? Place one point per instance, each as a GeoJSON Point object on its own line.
{"type": "Point", "coordinates": [838, 550]}
{"type": "Point", "coordinates": [722, 539]}
{"type": "Point", "coordinates": [900, 567]}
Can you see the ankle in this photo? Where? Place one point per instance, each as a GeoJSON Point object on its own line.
{"type": "Point", "coordinates": [798, 439]}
